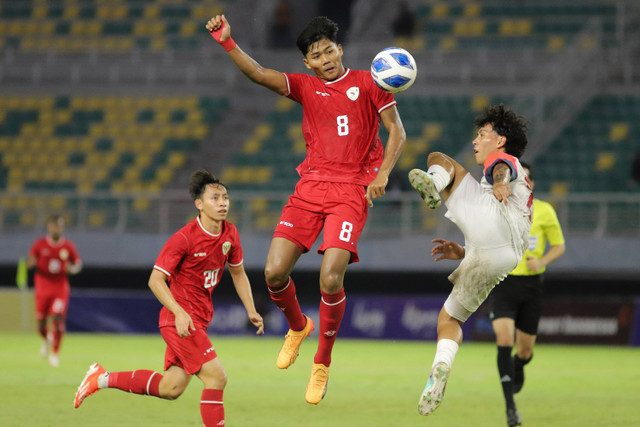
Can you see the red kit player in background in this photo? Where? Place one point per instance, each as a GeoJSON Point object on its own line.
{"type": "Point", "coordinates": [54, 258]}
{"type": "Point", "coordinates": [345, 168]}
{"type": "Point", "coordinates": [185, 274]}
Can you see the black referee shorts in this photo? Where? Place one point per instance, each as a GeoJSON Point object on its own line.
{"type": "Point", "coordinates": [518, 298]}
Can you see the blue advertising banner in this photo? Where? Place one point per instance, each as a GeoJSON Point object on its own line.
{"type": "Point", "coordinates": [369, 317]}
{"type": "Point", "coordinates": [388, 317]}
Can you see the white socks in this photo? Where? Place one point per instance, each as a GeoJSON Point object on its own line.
{"type": "Point", "coordinates": [446, 350]}
{"type": "Point", "coordinates": [440, 176]}
{"type": "Point", "coordinates": [103, 380]}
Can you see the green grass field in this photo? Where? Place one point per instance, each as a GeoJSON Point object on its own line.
{"type": "Point", "coordinates": [372, 383]}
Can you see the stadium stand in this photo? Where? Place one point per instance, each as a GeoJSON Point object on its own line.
{"type": "Point", "coordinates": [110, 153]}
{"type": "Point", "coordinates": [545, 25]}
{"type": "Point", "coordinates": [85, 144]}
{"type": "Point", "coordinates": [107, 26]}
{"type": "Point", "coordinates": [592, 154]}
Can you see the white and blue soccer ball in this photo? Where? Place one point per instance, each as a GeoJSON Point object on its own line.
{"type": "Point", "coordinates": [394, 69]}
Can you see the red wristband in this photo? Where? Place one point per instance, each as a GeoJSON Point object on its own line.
{"type": "Point", "coordinates": [229, 44]}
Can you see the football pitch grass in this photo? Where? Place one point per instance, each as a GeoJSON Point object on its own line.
{"type": "Point", "coordinates": [372, 383]}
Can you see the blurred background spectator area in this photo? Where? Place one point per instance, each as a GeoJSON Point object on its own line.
{"type": "Point", "coordinates": [106, 106]}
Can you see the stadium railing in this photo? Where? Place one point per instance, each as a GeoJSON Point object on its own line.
{"type": "Point", "coordinates": [397, 214]}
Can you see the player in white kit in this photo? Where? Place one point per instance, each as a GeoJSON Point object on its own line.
{"type": "Point", "coordinates": [495, 217]}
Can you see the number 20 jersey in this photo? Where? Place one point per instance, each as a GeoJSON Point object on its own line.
{"type": "Point", "coordinates": [340, 125]}
{"type": "Point", "coordinates": [193, 259]}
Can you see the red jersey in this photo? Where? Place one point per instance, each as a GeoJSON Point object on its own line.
{"type": "Point", "coordinates": [340, 124]}
{"type": "Point", "coordinates": [193, 259]}
{"type": "Point", "coordinates": [51, 262]}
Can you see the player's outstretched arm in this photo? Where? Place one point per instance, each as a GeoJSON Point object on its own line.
{"type": "Point", "coordinates": [393, 149]}
{"type": "Point", "coordinates": [445, 249]}
{"type": "Point", "coordinates": [158, 285]}
{"type": "Point", "coordinates": [243, 288]}
{"type": "Point", "coordinates": [220, 30]}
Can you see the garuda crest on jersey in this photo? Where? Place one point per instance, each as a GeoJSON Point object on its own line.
{"type": "Point", "coordinates": [353, 93]}
{"type": "Point", "coordinates": [225, 247]}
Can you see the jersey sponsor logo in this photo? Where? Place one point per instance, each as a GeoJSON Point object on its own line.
{"type": "Point", "coordinates": [322, 93]}
{"type": "Point", "coordinates": [225, 247]}
{"type": "Point", "coordinates": [55, 266]}
{"type": "Point", "coordinates": [353, 93]}
{"type": "Point", "coordinates": [286, 224]}
{"type": "Point", "coordinates": [197, 254]}
{"type": "Point", "coordinates": [533, 242]}
{"type": "Point", "coordinates": [63, 254]}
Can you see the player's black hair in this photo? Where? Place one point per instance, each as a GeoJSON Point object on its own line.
{"type": "Point", "coordinates": [508, 124]}
{"type": "Point", "coordinates": [199, 181]}
{"type": "Point", "coordinates": [528, 167]}
{"type": "Point", "coordinates": [317, 29]}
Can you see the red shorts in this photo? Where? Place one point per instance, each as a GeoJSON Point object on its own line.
{"type": "Point", "coordinates": [51, 300]}
{"type": "Point", "coordinates": [188, 353]}
{"type": "Point", "coordinates": [340, 208]}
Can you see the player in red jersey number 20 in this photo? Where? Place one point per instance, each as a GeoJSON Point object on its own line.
{"type": "Point", "coordinates": [191, 262]}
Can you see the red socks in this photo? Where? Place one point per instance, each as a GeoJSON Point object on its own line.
{"type": "Point", "coordinates": [285, 299]}
{"type": "Point", "coordinates": [141, 381]}
{"type": "Point", "coordinates": [331, 311]}
{"type": "Point", "coordinates": [42, 329]}
{"type": "Point", "coordinates": [211, 407]}
{"type": "Point", "coordinates": [58, 332]}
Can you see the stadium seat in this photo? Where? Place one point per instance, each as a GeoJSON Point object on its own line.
{"type": "Point", "coordinates": [106, 27]}
{"type": "Point", "coordinates": [85, 144]}
{"type": "Point", "coordinates": [459, 25]}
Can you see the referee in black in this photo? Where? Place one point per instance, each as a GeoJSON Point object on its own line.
{"type": "Point", "coordinates": [516, 303]}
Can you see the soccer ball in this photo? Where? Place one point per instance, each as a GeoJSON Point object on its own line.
{"type": "Point", "coordinates": [394, 69]}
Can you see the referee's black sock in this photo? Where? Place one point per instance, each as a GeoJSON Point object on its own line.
{"type": "Point", "coordinates": [505, 368]}
{"type": "Point", "coordinates": [518, 372]}
{"type": "Point", "coordinates": [522, 362]}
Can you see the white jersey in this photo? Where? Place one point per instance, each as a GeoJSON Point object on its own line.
{"type": "Point", "coordinates": [495, 235]}
{"type": "Point", "coordinates": [519, 209]}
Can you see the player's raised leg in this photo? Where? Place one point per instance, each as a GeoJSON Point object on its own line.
{"type": "Point", "coordinates": [281, 259]}
{"type": "Point", "coordinates": [438, 182]}
{"type": "Point", "coordinates": [140, 381]}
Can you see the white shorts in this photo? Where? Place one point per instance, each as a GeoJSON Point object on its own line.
{"type": "Point", "coordinates": [490, 251]}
